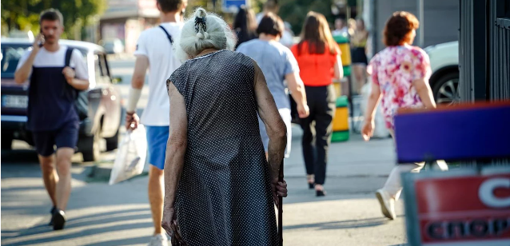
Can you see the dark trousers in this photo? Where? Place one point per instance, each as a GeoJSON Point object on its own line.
{"type": "Point", "coordinates": [317, 130]}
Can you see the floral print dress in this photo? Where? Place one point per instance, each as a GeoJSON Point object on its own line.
{"type": "Point", "coordinates": [393, 70]}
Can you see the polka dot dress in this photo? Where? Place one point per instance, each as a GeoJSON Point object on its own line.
{"type": "Point", "coordinates": [224, 195]}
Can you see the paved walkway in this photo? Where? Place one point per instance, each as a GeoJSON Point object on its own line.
{"type": "Point", "coordinates": [100, 214]}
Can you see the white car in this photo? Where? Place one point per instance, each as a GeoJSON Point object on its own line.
{"type": "Point", "coordinates": [444, 62]}
{"type": "Point", "coordinates": [113, 46]}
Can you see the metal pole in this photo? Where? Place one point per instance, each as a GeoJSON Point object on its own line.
{"type": "Point", "coordinates": [280, 209]}
{"type": "Point", "coordinates": [421, 30]}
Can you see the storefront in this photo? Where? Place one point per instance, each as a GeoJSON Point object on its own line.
{"type": "Point", "coordinates": [126, 19]}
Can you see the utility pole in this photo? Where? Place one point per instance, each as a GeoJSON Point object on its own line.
{"type": "Point", "coordinates": [421, 30]}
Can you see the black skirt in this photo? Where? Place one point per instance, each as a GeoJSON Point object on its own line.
{"type": "Point", "coordinates": [358, 56]}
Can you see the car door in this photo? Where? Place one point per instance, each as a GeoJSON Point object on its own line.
{"type": "Point", "coordinates": [110, 98]}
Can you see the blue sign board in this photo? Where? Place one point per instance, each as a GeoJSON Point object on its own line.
{"type": "Point", "coordinates": [233, 5]}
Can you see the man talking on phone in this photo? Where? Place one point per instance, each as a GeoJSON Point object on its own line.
{"type": "Point", "coordinates": [52, 117]}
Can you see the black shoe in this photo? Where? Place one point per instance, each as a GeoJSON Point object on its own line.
{"type": "Point", "coordinates": [320, 192]}
{"type": "Point", "coordinates": [52, 211]}
{"type": "Point", "coordinates": [311, 186]}
{"type": "Point", "coordinates": [58, 220]}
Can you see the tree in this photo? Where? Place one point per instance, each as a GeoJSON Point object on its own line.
{"type": "Point", "coordinates": [24, 14]}
{"type": "Point", "coordinates": [294, 11]}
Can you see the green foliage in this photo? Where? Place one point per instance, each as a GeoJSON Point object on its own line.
{"type": "Point", "coordinates": [24, 14]}
{"type": "Point", "coordinates": [294, 11]}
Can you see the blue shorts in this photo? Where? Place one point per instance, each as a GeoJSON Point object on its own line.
{"type": "Point", "coordinates": [64, 137]}
{"type": "Point", "coordinates": [157, 137]}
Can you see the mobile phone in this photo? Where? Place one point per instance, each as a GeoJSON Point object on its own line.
{"type": "Point", "coordinates": [41, 43]}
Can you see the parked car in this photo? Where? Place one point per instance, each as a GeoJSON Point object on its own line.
{"type": "Point", "coordinates": [104, 114]}
{"type": "Point", "coordinates": [113, 46]}
{"type": "Point", "coordinates": [444, 62]}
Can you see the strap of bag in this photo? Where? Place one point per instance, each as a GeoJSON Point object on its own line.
{"type": "Point", "coordinates": [69, 53]}
{"type": "Point", "coordinates": [167, 34]}
{"type": "Point", "coordinates": [67, 88]}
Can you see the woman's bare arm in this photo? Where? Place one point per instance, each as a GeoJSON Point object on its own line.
{"type": "Point", "coordinates": [276, 129]}
{"type": "Point", "coordinates": [176, 146]}
{"type": "Point", "coordinates": [423, 89]}
{"type": "Point", "coordinates": [339, 70]}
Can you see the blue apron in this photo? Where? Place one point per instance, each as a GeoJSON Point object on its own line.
{"type": "Point", "coordinates": [50, 106]}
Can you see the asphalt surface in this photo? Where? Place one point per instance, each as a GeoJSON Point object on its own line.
{"type": "Point", "coordinates": [100, 214]}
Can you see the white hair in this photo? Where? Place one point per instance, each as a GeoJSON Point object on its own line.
{"type": "Point", "coordinates": [203, 31]}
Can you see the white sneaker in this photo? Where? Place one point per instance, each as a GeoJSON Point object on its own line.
{"type": "Point", "coordinates": [387, 204]}
{"type": "Point", "coordinates": [159, 240]}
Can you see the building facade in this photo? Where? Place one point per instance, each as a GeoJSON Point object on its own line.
{"type": "Point", "coordinates": [126, 19]}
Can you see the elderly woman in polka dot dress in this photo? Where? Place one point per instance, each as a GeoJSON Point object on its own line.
{"type": "Point", "coordinates": [219, 186]}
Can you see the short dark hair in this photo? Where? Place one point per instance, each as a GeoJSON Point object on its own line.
{"type": "Point", "coordinates": [51, 15]}
{"type": "Point", "coordinates": [271, 24]}
{"type": "Point", "coordinates": [399, 27]}
{"type": "Point", "coordinates": [170, 5]}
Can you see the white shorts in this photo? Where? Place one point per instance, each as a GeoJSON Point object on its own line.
{"type": "Point", "coordinates": [285, 114]}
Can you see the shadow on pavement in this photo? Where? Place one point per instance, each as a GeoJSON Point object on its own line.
{"type": "Point", "coordinates": [93, 225]}
{"type": "Point", "coordinates": [126, 241]}
{"type": "Point", "coordinates": [346, 224]}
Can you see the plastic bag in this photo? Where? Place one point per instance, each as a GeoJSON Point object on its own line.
{"type": "Point", "coordinates": [380, 130]}
{"type": "Point", "coordinates": [130, 157]}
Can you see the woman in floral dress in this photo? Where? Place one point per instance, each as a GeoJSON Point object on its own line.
{"type": "Point", "coordinates": [400, 79]}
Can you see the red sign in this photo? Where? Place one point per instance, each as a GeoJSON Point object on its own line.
{"type": "Point", "coordinates": [464, 210]}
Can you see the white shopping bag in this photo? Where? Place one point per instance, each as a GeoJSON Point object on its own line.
{"type": "Point", "coordinates": [380, 130]}
{"type": "Point", "coordinates": [130, 157]}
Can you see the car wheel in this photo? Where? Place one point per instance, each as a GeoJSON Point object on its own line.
{"type": "Point", "coordinates": [113, 142]}
{"type": "Point", "coordinates": [445, 90]}
{"type": "Point", "coordinates": [91, 147]}
{"type": "Point", "coordinates": [7, 138]}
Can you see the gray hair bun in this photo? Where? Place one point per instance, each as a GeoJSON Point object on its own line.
{"type": "Point", "coordinates": [201, 24]}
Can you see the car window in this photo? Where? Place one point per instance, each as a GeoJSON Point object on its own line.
{"type": "Point", "coordinates": [102, 75]}
{"type": "Point", "coordinates": [10, 58]}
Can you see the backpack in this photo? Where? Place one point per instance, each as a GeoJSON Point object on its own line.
{"type": "Point", "coordinates": [81, 101]}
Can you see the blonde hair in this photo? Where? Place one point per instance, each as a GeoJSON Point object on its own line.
{"type": "Point", "coordinates": [203, 31]}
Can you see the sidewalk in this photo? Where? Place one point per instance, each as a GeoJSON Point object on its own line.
{"type": "Point", "coordinates": [99, 214]}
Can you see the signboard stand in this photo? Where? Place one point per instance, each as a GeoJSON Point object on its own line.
{"type": "Point", "coordinates": [465, 206]}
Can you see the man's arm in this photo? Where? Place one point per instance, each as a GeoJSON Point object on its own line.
{"type": "Point", "coordinates": [297, 89]}
{"type": "Point", "coordinates": [137, 81]}
{"type": "Point", "coordinates": [294, 82]}
{"type": "Point", "coordinates": [79, 77]}
{"type": "Point", "coordinates": [78, 84]}
{"type": "Point", "coordinates": [23, 71]}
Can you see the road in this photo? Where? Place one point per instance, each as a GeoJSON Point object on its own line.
{"type": "Point", "coordinates": [100, 214]}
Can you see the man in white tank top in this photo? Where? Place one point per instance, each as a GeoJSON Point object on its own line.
{"type": "Point", "coordinates": [154, 51]}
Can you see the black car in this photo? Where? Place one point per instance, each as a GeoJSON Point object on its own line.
{"type": "Point", "coordinates": [104, 106]}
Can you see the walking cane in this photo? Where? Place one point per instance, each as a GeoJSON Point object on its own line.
{"type": "Point", "coordinates": [280, 208]}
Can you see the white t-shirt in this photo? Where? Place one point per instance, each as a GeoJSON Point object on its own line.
{"type": "Point", "coordinates": [45, 58]}
{"type": "Point", "coordinates": [154, 44]}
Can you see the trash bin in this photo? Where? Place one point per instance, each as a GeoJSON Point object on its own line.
{"type": "Point", "coordinates": [341, 120]}
{"type": "Point", "coordinates": [345, 50]}
{"type": "Point", "coordinates": [345, 56]}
